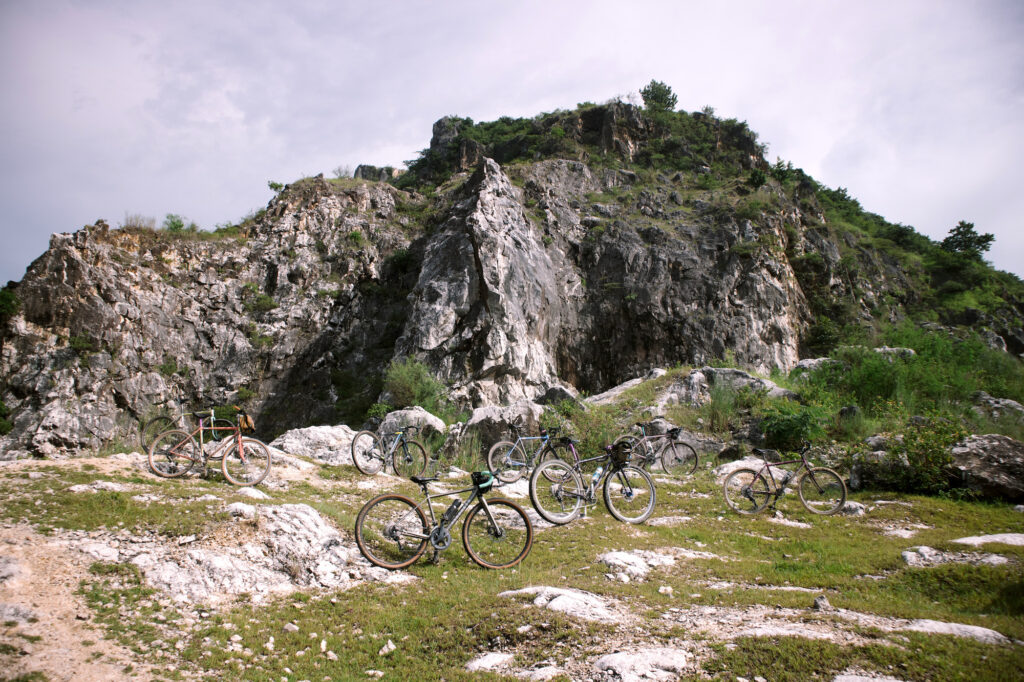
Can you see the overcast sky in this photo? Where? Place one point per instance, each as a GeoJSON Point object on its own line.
{"type": "Point", "coordinates": [111, 108]}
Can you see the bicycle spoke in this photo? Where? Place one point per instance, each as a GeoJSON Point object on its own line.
{"type": "Point", "coordinates": [499, 539]}
{"type": "Point", "coordinates": [391, 531]}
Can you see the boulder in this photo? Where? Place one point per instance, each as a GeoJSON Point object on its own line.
{"type": "Point", "coordinates": [413, 416]}
{"type": "Point", "coordinates": [991, 465]}
{"type": "Point", "coordinates": [330, 444]}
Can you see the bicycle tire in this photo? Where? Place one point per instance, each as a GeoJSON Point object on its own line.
{"type": "Point", "coordinates": [173, 454]}
{"type": "Point", "coordinates": [248, 467]}
{"type": "Point", "coordinates": [368, 453]}
{"type": "Point", "coordinates": [549, 453]}
{"type": "Point", "coordinates": [558, 501]}
{"type": "Point", "coordinates": [386, 530]}
{"type": "Point", "coordinates": [678, 459]}
{"type": "Point", "coordinates": [501, 460]}
{"type": "Point", "coordinates": [746, 491]}
{"type": "Point", "coordinates": [641, 453]}
{"type": "Point", "coordinates": [409, 459]}
{"type": "Point", "coordinates": [149, 430]}
{"type": "Point", "coordinates": [629, 494]}
{"type": "Point", "coordinates": [822, 491]}
{"type": "Point", "coordinates": [216, 434]}
{"type": "Point", "coordinates": [502, 544]}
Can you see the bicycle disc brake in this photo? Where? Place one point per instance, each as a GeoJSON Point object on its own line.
{"type": "Point", "coordinates": [440, 538]}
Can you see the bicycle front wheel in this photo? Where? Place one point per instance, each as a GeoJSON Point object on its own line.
{"type": "Point", "coordinates": [497, 534]}
{"type": "Point", "coordinates": [391, 531]}
{"type": "Point", "coordinates": [746, 491]}
{"type": "Point", "coordinates": [248, 465]}
{"type": "Point", "coordinates": [173, 454]}
{"type": "Point", "coordinates": [410, 459]}
{"type": "Point", "coordinates": [557, 491]}
{"type": "Point", "coordinates": [221, 429]}
{"type": "Point", "coordinates": [678, 459]}
{"type": "Point", "coordinates": [507, 460]}
{"type": "Point", "coordinates": [368, 452]}
{"type": "Point", "coordinates": [153, 428]}
{"type": "Point", "coordinates": [822, 491]}
{"type": "Point", "coordinates": [629, 494]}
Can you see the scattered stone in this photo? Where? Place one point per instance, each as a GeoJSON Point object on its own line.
{"type": "Point", "coordinates": [980, 634]}
{"type": "Point", "coordinates": [14, 613]}
{"type": "Point", "coordinates": [242, 510]}
{"type": "Point", "coordinates": [100, 551]}
{"type": "Point", "coordinates": [249, 491]}
{"type": "Point", "coordinates": [489, 661]}
{"type": "Point", "coordinates": [926, 556]}
{"type": "Point", "coordinates": [821, 604]}
{"type": "Point", "coordinates": [1001, 538]}
{"type": "Point", "coordinates": [374, 673]}
{"type": "Point", "coordinates": [97, 486]}
{"type": "Point", "coordinates": [669, 520]}
{"type": "Point", "coordinates": [656, 663]}
{"type": "Point", "coordinates": [387, 648]}
{"type": "Point", "coordinates": [853, 509]}
{"type": "Point", "coordinates": [854, 677]}
{"type": "Point", "coordinates": [779, 519]}
{"type": "Point", "coordinates": [9, 569]}
{"type": "Point", "coordinates": [291, 627]}
{"type": "Point", "coordinates": [575, 603]}
{"type": "Point", "coordinates": [666, 590]}
{"type": "Point", "coordinates": [548, 672]}
{"type": "Point", "coordinates": [636, 564]}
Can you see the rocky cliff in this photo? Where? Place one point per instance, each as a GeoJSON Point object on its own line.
{"type": "Point", "coordinates": [516, 270]}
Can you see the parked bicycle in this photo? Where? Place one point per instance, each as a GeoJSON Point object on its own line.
{"type": "Point", "coordinates": [514, 458]}
{"type": "Point", "coordinates": [178, 418]}
{"type": "Point", "coordinates": [675, 457]}
{"type": "Point", "coordinates": [243, 460]}
{"type": "Point", "coordinates": [821, 489]}
{"type": "Point", "coordinates": [372, 452]}
{"type": "Point", "coordinates": [560, 490]}
{"type": "Point", "coordinates": [393, 531]}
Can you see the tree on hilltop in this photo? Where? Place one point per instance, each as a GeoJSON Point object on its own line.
{"type": "Point", "coordinates": [658, 97]}
{"type": "Point", "coordinates": [965, 239]}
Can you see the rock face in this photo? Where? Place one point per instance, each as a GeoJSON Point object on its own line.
{"type": "Point", "coordinates": [992, 465]}
{"type": "Point", "coordinates": [539, 278]}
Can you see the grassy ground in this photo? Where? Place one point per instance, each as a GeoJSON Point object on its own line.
{"type": "Point", "coordinates": [453, 612]}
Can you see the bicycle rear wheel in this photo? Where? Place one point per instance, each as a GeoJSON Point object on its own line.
{"type": "Point", "coordinates": [746, 491]}
{"type": "Point", "coordinates": [557, 491]}
{"type": "Point", "coordinates": [153, 428]}
{"type": "Point", "coordinates": [220, 429]}
{"type": "Point", "coordinates": [173, 454]}
{"type": "Point", "coordinates": [368, 452]}
{"type": "Point", "coordinates": [391, 531]}
{"type": "Point", "coordinates": [678, 459]}
{"type": "Point", "coordinates": [498, 540]}
{"type": "Point", "coordinates": [629, 494]}
{"type": "Point", "coordinates": [248, 466]}
{"type": "Point", "coordinates": [507, 460]}
{"type": "Point", "coordinates": [409, 459]}
{"type": "Point", "coordinates": [822, 491]}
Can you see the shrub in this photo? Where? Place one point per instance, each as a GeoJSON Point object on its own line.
{"type": "Point", "coordinates": [9, 304]}
{"type": "Point", "coordinates": [787, 425]}
{"type": "Point", "coordinates": [920, 462]}
{"type": "Point", "coordinates": [658, 97]}
{"type": "Point", "coordinates": [82, 343]}
{"type": "Point", "coordinates": [378, 411]}
{"type": "Point", "coordinates": [409, 382]}
{"type": "Point", "coordinates": [5, 424]}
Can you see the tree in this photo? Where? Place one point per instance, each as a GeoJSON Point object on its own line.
{"type": "Point", "coordinates": [658, 97]}
{"type": "Point", "coordinates": [965, 239]}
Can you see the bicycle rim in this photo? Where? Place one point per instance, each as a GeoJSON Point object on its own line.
{"type": "Point", "coordinates": [746, 491]}
{"type": "Point", "coordinates": [557, 492]}
{"type": "Point", "coordinates": [410, 459]}
{"type": "Point", "coordinates": [391, 531]}
{"type": "Point", "coordinates": [367, 453]}
{"type": "Point", "coordinates": [500, 543]}
{"type": "Point", "coordinates": [173, 454]}
{"type": "Point", "coordinates": [153, 428]}
{"type": "Point", "coordinates": [629, 494]}
{"type": "Point", "coordinates": [250, 466]}
{"type": "Point", "coordinates": [507, 460]}
{"type": "Point", "coordinates": [822, 491]}
{"type": "Point", "coordinates": [679, 459]}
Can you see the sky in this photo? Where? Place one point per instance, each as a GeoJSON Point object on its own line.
{"type": "Point", "coordinates": [115, 108]}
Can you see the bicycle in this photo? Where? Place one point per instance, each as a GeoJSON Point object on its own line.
{"type": "Point", "coordinates": [244, 461]}
{"type": "Point", "coordinates": [821, 489]}
{"type": "Point", "coordinates": [676, 457]}
{"type": "Point", "coordinates": [393, 531]}
{"type": "Point", "coordinates": [371, 453]}
{"type": "Point", "coordinates": [177, 419]}
{"type": "Point", "coordinates": [510, 459]}
{"type": "Point", "coordinates": [628, 490]}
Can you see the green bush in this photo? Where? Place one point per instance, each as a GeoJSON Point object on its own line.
{"type": "Point", "coordinates": [919, 462]}
{"type": "Point", "coordinates": [378, 411]}
{"type": "Point", "coordinates": [787, 425]}
{"type": "Point", "coordinates": [82, 343]}
{"type": "Point", "coordinates": [409, 382]}
{"type": "Point", "coordinates": [5, 425]}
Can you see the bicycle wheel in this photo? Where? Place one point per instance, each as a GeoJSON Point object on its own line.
{"type": "Point", "coordinates": [149, 430]}
{"type": "Point", "coordinates": [410, 459]}
{"type": "Point", "coordinates": [248, 466]}
{"type": "Point", "coordinates": [557, 491]}
{"type": "Point", "coordinates": [391, 531]}
{"type": "Point", "coordinates": [219, 432]}
{"type": "Point", "coordinates": [368, 453]}
{"type": "Point", "coordinates": [678, 459]}
{"type": "Point", "coordinates": [498, 540]}
{"type": "Point", "coordinates": [507, 460]}
{"type": "Point", "coordinates": [173, 454]}
{"type": "Point", "coordinates": [552, 452]}
{"type": "Point", "coordinates": [746, 491]}
{"type": "Point", "coordinates": [822, 491]}
{"type": "Point", "coordinates": [629, 494]}
{"type": "Point", "coordinates": [641, 453]}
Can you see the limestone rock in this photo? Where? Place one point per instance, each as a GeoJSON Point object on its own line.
{"type": "Point", "coordinates": [330, 444]}
{"type": "Point", "coordinates": [661, 663]}
{"type": "Point", "coordinates": [575, 603]}
{"type": "Point", "coordinates": [992, 465]}
{"type": "Point", "coordinates": [413, 416]}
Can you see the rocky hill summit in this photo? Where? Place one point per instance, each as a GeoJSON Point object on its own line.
{"type": "Point", "coordinates": [516, 259]}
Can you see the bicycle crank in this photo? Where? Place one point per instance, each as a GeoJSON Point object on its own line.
{"type": "Point", "coordinates": [440, 538]}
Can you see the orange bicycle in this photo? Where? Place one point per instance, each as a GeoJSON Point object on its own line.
{"type": "Point", "coordinates": [243, 460]}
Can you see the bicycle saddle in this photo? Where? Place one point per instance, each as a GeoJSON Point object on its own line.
{"type": "Point", "coordinates": [422, 480]}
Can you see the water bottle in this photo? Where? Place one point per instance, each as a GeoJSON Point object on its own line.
{"type": "Point", "coordinates": [597, 475]}
{"type": "Point", "coordinates": [451, 511]}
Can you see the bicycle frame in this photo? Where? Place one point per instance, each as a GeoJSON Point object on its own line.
{"type": "Point", "coordinates": [531, 457]}
{"type": "Point", "coordinates": [224, 445]}
{"type": "Point", "coordinates": [777, 488]}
